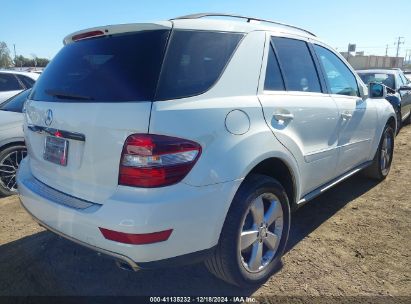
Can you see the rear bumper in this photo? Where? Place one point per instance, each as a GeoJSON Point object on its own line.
{"type": "Point", "coordinates": [196, 215]}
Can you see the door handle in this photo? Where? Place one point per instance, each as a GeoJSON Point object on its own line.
{"type": "Point", "coordinates": [283, 116]}
{"type": "Point", "coordinates": [346, 115]}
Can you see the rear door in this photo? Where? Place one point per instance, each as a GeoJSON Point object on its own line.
{"type": "Point", "coordinates": [302, 116]}
{"type": "Point", "coordinates": [93, 94]}
{"type": "Point", "coordinates": [358, 117]}
{"type": "Point", "coordinates": [405, 96]}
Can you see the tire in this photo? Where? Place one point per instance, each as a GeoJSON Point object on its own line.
{"type": "Point", "coordinates": [408, 120]}
{"type": "Point", "coordinates": [10, 159]}
{"type": "Point", "coordinates": [381, 163]}
{"type": "Point", "coordinates": [399, 121]}
{"type": "Point", "coordinates": [235, 265]}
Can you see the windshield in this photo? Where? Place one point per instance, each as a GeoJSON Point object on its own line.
{"type": "Point", "coordinates": [16, 103]}
{"type": "Point", "coordinates": [384, 78]}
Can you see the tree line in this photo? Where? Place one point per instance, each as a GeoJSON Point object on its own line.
{"type": "Point", "coordinates": [6, 60]}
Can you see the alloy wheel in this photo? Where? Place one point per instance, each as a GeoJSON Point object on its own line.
{"type": "Point", "coordinates": [261, 232]}
{"type": "Point", "coordinates": [9, 165]}
{"type": "Point", "coordinates": [386, 153]}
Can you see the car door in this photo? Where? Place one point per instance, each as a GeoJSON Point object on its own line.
{"type": "Point", "coordinates": [405, 96]}
{"type": "Point", "coordinates": [358, 116]}
{"type": "Point", "coordinates": [302, 116]}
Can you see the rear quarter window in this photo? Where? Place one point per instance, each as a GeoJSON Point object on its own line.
{"type": "Point", "coordinates": [194, 62]}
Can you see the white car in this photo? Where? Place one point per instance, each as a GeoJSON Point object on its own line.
{"type": "Point", "coordinates": [13, 82]}
{"type": "Point", "coordinates": [12, 148]}
{"type": "Point", "coordinates": [192, 140]}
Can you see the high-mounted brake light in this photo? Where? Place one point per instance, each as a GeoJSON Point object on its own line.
{"type": "Point", "coordinates": [87, 35]}
{"type": "Point", "coordinates": [156, 160]}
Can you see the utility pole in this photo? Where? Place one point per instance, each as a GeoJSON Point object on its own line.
{"type": "Point", "coordinates": [15, 57]}
{"type": "Point", "coordinates": [386, 51]}
{"type": "Point", "coordinates": [398, 43]}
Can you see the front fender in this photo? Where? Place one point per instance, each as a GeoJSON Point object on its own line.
{"type": "Point", "coordinates": [385, 111]}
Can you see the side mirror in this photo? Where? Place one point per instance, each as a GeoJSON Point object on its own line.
{"type": "Point", "coordinates": [363, 90]}
{"type": "Point", "coordinates": [377, 90]}
{"type": "Point", "coordinates": [404, 88]}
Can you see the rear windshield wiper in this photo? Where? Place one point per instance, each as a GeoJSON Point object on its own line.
{"type": "Point", "coordinates": [63, 95]}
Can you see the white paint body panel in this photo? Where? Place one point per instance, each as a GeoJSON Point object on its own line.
{"type": "Point", "coordinates": [310, 146]}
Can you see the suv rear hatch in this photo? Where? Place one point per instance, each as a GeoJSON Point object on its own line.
{"type": "Point", "coordinates": [94, 93]}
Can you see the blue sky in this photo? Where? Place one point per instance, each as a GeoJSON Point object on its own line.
{"type": "Point", "coordinates": [38, 26]}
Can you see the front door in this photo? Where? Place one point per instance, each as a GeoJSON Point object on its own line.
{"type": "Point", "coordinates": [358, 117]}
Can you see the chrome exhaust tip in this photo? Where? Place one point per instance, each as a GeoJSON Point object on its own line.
{"type": "Point", "coordinates": [124, 266]}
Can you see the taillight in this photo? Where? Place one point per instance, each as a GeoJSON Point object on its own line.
{"type": "Point", "coordinates": [156, 160]}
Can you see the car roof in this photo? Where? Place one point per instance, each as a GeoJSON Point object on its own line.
{"type": "Point", "coordinates": [229, 23]}
{"type": "Point", "coordinates": [33, 76]}
{"type": "Point", "coordinates": [235, 23]}
{"type": "Point", "coordinates": [382, 71]}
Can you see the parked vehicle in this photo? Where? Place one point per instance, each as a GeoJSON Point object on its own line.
{"type": "Point", "coordinates": [408, 75]}
{"type": "Point", "coordinates": [12, 147]}
{"type": "Point", "coordinates": [193, 139]}
{"type": "Point", "coordinates": [398, 89]}
{"type": "Point", "coordinates": [13, 82]}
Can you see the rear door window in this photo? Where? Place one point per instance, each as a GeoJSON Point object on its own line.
{"type": "Point", "coordinates": [9, 82]}
{"type": "Point", "coordinates": [194, 62]}
{"type": "Point", "coordinates": [113, 68]}
{"type": "Point", "coordinates": [403, 78]}
{"type": "Point", "coordinates": [297, 65]}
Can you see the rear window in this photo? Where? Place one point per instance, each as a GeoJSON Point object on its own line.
{"type": "Point", "coordinates": [194, 62]}
{"type": "Point", "coordinates": [27, 81]}
{"type": "Point", "coordinates": [106, 69]}
{"type": "Point", "coordinates": [384, 78]}
{"type": "Point", "coordinates": [9, 82]}
{"type": "Point", "coordinates": [129, 67]}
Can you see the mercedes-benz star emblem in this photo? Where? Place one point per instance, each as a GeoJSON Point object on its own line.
{"type": "Point", "coordinates": [49, 117]}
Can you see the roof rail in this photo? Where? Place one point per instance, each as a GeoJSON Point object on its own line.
{"type": "Point", "coordinates": [249, 19]}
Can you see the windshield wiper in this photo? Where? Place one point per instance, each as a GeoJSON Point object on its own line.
{"type": "Point", "coordinates": [63, 95]}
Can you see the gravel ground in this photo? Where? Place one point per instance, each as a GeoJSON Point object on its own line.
{"type": "Point", "coordinates": [353, 241]}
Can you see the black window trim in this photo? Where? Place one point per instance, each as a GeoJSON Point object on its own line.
{"type": "Point", "coordinates": [319, 74]}
{"type": "Point", "coordinates": [323, 71]}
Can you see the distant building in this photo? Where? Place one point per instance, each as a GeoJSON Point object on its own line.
{"type": "Point", "coordinates": [359, 61]}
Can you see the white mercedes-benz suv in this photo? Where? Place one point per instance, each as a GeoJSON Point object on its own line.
{"type": "Point", "coordinates": [193, 139]}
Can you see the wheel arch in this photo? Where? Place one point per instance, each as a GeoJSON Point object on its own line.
{"type": "Point", "coordinates": [392, 122]}
{"type": "Point", "coordinates": [282, 171]}
{"type": "Point", "coordinates": [15, 141]}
